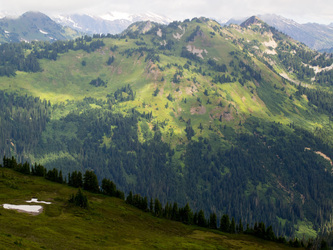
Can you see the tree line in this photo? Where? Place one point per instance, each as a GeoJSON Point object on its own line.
{"type": "Point", "coordinates": [13, 55]}
{"type": "Point", "coordinates": [89, 182]}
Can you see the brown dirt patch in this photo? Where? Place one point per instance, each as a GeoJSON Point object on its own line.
{"type": "Point", "coordinates": [191, 90]}
{"type": "Point", "coordinates": [324, 156]}
{"type": "Point", "coordinates": [198, 110]}
{"type": "Point", "coordinates": [227, 116]}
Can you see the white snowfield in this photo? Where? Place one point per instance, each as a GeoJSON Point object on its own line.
{"type": "Point", "coordinates": [34, 209]}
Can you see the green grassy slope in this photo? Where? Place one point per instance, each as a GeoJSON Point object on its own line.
{"type": "Point", "coordinates": [108, 223]}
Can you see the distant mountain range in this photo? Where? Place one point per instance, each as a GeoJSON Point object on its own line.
{"type": "Point", "coordinates": [314, 35]}
{"type": "Point", "coordinates": [33, 26]}
{"type": "Point", "coordinates": [112, 23]}
{"type": "Point", "coordinates": [37, 26]}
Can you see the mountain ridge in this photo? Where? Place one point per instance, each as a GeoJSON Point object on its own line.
{"type": "Point", "coordinates": [32, 26]}
{"type": "Point", "coordinates": [107, 23]}
{"type": "Point", "coordinates": [316, 36]}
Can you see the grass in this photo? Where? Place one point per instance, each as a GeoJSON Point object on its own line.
{"type": "Point", "coordinates": [305, 229]}
{"type": "Point", "coordinates": [108, 223]}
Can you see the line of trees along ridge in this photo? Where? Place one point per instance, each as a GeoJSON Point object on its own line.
{"type": "Point", "coordinates": [170, 211]}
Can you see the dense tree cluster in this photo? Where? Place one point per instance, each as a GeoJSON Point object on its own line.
{"type": "Point", "coordinates": [79, 199]}
{"type": "Point", "coordinates": [54, 175]}
{"type": "Point", "coordinates": [189, 55]}
{"type": "Point", "coordinates": [222, 78]}
{"type": "Point", "coordinates": [98, 82]}
{"type": "Point", "coordinates": [13, 58]}
{"type": "Point", "coordinates": [23, 119]}
{"type": "Point", "coordinates": [110, 189]}
{"type": "Point", "coordinates": [88, 182]}
{"type": "Point", "coordinates": [75, 179]}
{"type": "Point", "coordinates": [322, 99]}
{"type": "Point", "coordinates": [245, 67]}
{"type": "Point", "coordinates": [186, 216]}
{"type": "Point", "coordinates": [123, 94]}
{"type": "Point", "coordinates": [237, 170]}
{"type": "Point", "coordinates": [196, 32]}
{"type": "Point", "coordinates": [110, 60]}
{"type": "Point", "coordinates": [217, 67]}
{"type": "Point", "coordinates": [325, 77]}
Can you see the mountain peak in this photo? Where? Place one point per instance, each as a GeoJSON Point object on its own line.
{"type": "Point", "coordinates": [31, 26]}
{"type": "Point", "coordinates": [252, 20]}
{"type": "Point", "coordinates": [34, 14]}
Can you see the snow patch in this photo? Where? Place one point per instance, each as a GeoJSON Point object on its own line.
{"type": "Point", "coordinates": [43, 32]}
{"type": "Point", "coordinates": [270, 44]}
{"type": "Point", "coordinates": [147, 27]}
{"type": "Point", "coordinates": [116, 16]}
{"type": "Point", "coordinates": [317, 69]}
{"type": "Point", "coordinates": [196, 51]}
{"type": "Point", "coordinates": [34, 209]}
{"type": "Point", "coordinates": [177, 36]}
{"type": "Point", "coordinates": [159, 33]}
{"type": "Point", "coordinates": [35, 200]}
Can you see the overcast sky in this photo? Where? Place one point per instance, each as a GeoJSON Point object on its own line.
{"type": "Point", "coordinates": [320, 11]}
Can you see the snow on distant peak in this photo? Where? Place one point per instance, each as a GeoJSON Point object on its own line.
{"type": "Point", "coordinates": [150, 16]}
{"type": "Point", "coordinates": [147, 16]}
{"type": "Point", "coordinates": [112, 16]}
{"type": "Point", "coordinates": [43, 32]}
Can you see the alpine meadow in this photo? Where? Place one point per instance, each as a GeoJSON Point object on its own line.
{"type": "Point", "coordinates": [229, 120]}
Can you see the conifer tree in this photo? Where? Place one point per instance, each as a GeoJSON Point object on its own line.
{"type": "Point", "coordinates": [90, 182]}
{"type": "Point", "coordinates": [213, 221]}
{"type": "Point", "coordinates": [175, 212]}
{"type": "Point", "coordinates": [157, 208]}
{"type": "Point", "coordinates": [187, 214]}
{"type": "Point", "coordinates": [240, 227]}
{"type": "Point", "coordinates": [225, 223]}
{"type": "Point", "coordinates": [232, 228]}
{"type": "Point", "coordinates": [129, 199]}
{"type": "Point", "coordinates": [201, 219]}
{"type": "Point", "coordinates": [151, 206]}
